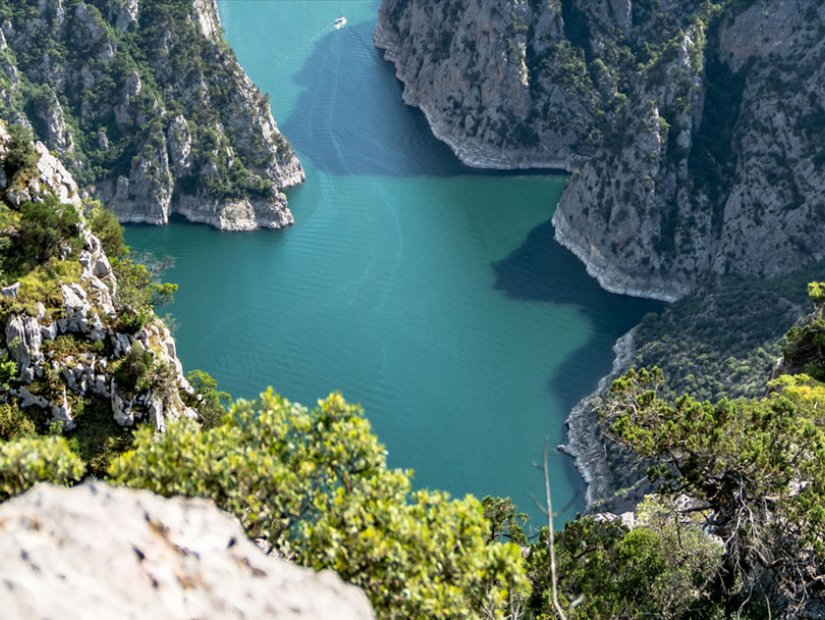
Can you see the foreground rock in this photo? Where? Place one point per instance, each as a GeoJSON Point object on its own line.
{"type": "Point", "coordinates": [100, 552]}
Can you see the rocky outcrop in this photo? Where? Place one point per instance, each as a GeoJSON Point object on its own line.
{"type": "Point", "coordinates": [468, 66]}
{"type": "Point", "coordinates": [100, 552]}
{"type": "Point", "coordinates": [692, 129]}
{"type": "Point", "coordinates": [150, 110]}
{"type": "Point", "coordinates": [71, 345]}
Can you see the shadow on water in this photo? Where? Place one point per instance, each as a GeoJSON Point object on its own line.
{"type": "Point", "coordinates": [542, 270]}
{"type": "Point", "coordinates": [350, 117]}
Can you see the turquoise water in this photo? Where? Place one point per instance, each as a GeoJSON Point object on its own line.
{"type": "Point", "coordinates": [432, 294]}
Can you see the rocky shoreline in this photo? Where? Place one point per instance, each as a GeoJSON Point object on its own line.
{"type": "Point", "coordinates": [584, 439]}
{"type": "Point", "coordinates": [475, 157]}
{"type": "Point", "coordinates": [475, 154]}
{"type": "Point", "coordinates": [609, 277]}
{"type": "Point", "coordinates": [183, 129]}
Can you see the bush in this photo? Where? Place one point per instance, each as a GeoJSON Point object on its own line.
{"type": "Point", "coordinates": [314, 484]}
{"type": "Point", "coordinates": [46, 230]}
{"type": "Point", "coordinates": [106, 227]}
{"type": "Point", "coordinates": [211, 403]}
{"type": "Point", "coordinates": [14, 423]}
{"type": "Point", "coordinates": [21, 156]}
{"type": "Point", "coordinates": [28, 460]}
{"type": "Point", "coordinates": [133, 373]}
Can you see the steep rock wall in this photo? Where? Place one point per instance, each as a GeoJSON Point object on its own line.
{"type": "Point", "coordinates": [692, 130]}
{"type": "Point", "coordinates": [149, 108]}
{"type": "Point", "coordinates": [64, 326]}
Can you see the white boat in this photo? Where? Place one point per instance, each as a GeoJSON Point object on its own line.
{"type": "Point", "coordinates": [340, 22]}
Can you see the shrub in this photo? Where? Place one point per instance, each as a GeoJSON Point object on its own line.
{"type": "Point", "coordinates": [133, 373]}
{"type": "Point", "coordinates": [315, 485]}
{"type": "Point", "coordinates": [26, 461]}
{"type": "Point", "coordinates": [21, 156]}
{"type": "Point", "coordinates": [14, 423]}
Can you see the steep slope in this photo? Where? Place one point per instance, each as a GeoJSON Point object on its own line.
{"type": "Point", "coordinates": [75, 343]}
{"type": "Point", "coordinates": [692, 129]}
{"type": "Point", "coordinates": [147, 106]}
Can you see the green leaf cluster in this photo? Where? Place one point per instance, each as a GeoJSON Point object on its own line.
{"type": "Point", "coordinates": [757, 467]}
{"type": "Point", "coordinates": [27, 460]}
{"type": "Point", "coordinates": [659, 569]}
{"type": "Point", "coordinates": [314, 484]}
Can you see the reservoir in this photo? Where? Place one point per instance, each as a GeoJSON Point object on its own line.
{"type": "Point", "coordinates": [432, 294]}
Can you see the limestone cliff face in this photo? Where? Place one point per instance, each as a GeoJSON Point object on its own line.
{"type": "Point", "coordinates": [66, 329]}
{"type": "Point", "coordinates": [149, 109]}
{"type": "Point", "coordinates": [476, 70]}
{"type": "Point", "coordinates": [693, 130]}
{"type": "Point", "coordinates": [100, 552]}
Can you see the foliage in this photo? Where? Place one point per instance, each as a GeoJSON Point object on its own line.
{"type": "Point", "coordinates": [97, 439]}
{"type": "Point", "coordinates": [713, 343]}
{"type": "Point", "coordinates": [506, 522]}
{"type": "Point", "coordinates": [45, 230]}
{"type": "Point", "coordinates": [139, 289]}
{"type": "Point", "coordinates": [43, 283]}
{"type": "Point", "coordinates": [105, 226]}
{"type": "Point", "coordinates": [133, 373]}
{"type": "Point", "coordinates": [757, 465]}
{"type": "Point", "coordinates": [21, 156]}
{"type": "Point", "coordinates": [27, 460]}
{"type": "Point", "coordinates": [659, 568]}
{"type": "Point", "coordinates": [314, 485]}
{"type": "Point", "coordinates": [211, 403]}
{"type": "Point", "coordinates": [805, 351]}
{"type": "Point", "coordinates": [13, 422]}
{"type": "Point", "coordinates": [8, 370]}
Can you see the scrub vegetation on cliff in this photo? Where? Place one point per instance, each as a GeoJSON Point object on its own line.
{"type": "Point", "coordinates": [148, 107]}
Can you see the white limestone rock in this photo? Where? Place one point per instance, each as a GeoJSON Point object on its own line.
{"type": "Point", "coordinates": [100, 552]}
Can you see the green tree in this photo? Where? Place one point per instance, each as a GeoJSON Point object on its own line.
{"type": "Point", "coordinates": [660, 568]}
{"type": "Point", "coordinates": [107, 228]}
{"type": "Point", "coordinates": [21, 156]}
{"type": "Point", "coordinates": [47, 229]}
{"type": "Point", "coordinates": [314, 484]}
{"type": "Point", "coordinates": [759, 467]}
{"type": "Point", "coordinates": [211, 403]}
{"type": "Point", "coordinates": [506, 522]}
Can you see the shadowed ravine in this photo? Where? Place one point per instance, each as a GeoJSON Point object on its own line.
{"type": "Point", "coordinates": [432, 294]}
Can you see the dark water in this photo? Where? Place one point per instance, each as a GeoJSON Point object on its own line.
{"type": "Point", "coordinates": [432, 294]}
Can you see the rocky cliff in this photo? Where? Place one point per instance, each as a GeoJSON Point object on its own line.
{"type": "Point", "coordinates": [79, 343]}
{"type": "Point", "coordinates": [149, 109]}
{"type": "Point", "coordinates": [99, 552]}
{"type": "Point", "coordinates": [692, 129]}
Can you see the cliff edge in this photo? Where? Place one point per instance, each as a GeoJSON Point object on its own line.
{"type": "Point", "coordinates": [147, 106]}
{"type": "Point", "coordinates": [692, 129]}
